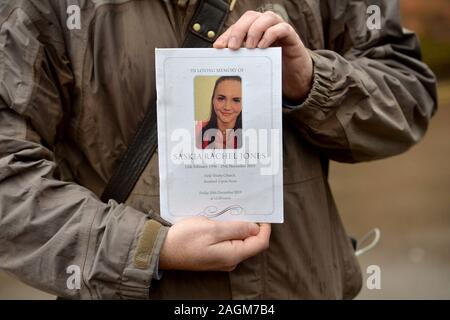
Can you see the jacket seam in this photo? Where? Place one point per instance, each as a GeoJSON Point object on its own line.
{"type": "Point", "coordinates": [302, 181]}
{"type": "Point", "coordinates": [121, 278]}
{"type": "Point", "coordinates": [87, 252]}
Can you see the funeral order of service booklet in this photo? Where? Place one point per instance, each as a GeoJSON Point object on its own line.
{"type": "Point", "coordinates": [220, 134]}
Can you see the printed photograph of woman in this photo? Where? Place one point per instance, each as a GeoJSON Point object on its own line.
{"type": "Point", "coordinates": [223, 129]}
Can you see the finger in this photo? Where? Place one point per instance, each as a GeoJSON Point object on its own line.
{"type": "Point", "coordinates": [282, 32]}
{"type": "Point", "coordinates": [234, 230]}
{"type": "Point", "coordinates": [228, 268]}
{"type": "Point", "coordinates": [239, 250]}
{"type": "Point", "coordinates": [256, 244]}
{"type": "Point", "coordinates": [259, 26]}
{"type": "Point", "coordinates": [239, 30]}
{"type": "Point", "coordinates": [222, 41]}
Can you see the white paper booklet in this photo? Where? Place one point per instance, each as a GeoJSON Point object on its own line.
{"type": "Point", "coordinates": [219, 134]}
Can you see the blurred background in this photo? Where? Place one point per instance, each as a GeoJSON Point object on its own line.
{"type": "Point", "coordinates": [407, 197]}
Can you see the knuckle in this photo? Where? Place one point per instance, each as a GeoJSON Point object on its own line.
{"type": "Point", "coordinates": [230, 268]}
{"type": "Point", "coordinates": [238, 31]}
{"type": "Point", "coordinates": [251, 13]}
{"type": "Point", "coordinates": [268, 35]}
{"type": "Point", "coordinates": [286, 27]}
{"type": "Point", "coordinates": [280, 29]}
{"type": "Point", "coordinates": [273, 15]}
{"type": "Point", "coordinates": [254, 32]}
{"type": "Point", "coordinates": [270, 13]}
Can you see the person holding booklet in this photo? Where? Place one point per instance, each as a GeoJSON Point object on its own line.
{"type": "Point", "coordinates": [72, 96]}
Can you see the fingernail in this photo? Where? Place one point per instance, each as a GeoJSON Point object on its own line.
{"type": "Point", "coordinates": [254, 229]}
{"type": "Point", "coordinates": [219, 43]}
{"type": "Point", "coordinates": [233, 44]}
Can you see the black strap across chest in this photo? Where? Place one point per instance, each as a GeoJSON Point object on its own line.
{"type": "Point", "coordinates": [206, 24]}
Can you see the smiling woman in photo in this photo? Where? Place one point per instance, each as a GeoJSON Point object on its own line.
{"type": "Point", "coordinates": [222, 131]}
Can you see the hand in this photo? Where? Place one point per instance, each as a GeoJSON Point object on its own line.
{"type": "Point", "coordinates": [262, 30]}
{"type": "Point", "coordinates": [199, 244]}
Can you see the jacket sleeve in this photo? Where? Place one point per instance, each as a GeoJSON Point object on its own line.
{"type": "Point", "coordinates": [372, 97]}
{"type": "Point", "coordinates": [50, 229]}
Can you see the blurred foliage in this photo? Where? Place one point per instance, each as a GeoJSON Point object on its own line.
{"type": "Point", "coordinates": [444, 93]}
{"type": "Point", "coordinates": [431, 21]}
{"type": "Point", "coordinates": [437, 55]}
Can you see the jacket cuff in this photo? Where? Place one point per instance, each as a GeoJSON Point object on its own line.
{"type": "Point", "coordinates": [319, 95]}
{"type": "Point", "coordinates": [142, 260]}
{"type": "Point", "coordinates": [324, 76]}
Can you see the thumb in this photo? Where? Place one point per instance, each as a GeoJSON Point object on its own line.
{"type": "Point", "coordinates": [235, 230]}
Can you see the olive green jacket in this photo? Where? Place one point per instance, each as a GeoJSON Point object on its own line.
{"type": "Point", "coordinates": [71, 100]}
